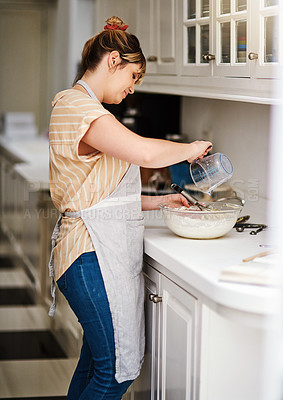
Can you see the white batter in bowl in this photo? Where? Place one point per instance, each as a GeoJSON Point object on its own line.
{"type": "Point", "coordinates": [195, 224]}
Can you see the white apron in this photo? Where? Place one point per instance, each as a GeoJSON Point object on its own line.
{"type": "Point", "coordinates": [116, 227]}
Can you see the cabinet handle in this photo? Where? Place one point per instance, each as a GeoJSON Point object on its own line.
{"type": "Point", "coordinates": [155, 298]}
{"type": "Point", "coordinates": [167, 59]}
{"type": "Point", "coordinates": [208, 57]}
{"type": "Point", "coordinates": [252, 56]}
{"type": "Point", "coordinates": [151, 59]}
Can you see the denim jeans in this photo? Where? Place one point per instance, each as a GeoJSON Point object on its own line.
{"type": "Point", "coordinates": [94, 377]}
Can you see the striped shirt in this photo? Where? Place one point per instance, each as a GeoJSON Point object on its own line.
{"type": "Point", "coordinates": [76, 181]}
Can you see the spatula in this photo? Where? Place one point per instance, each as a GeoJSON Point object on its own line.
{"type": "Point", "coordinates": [191, 199]}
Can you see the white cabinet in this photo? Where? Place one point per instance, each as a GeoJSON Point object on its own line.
{"type": "Point", "coordinates": [169, 370]}
{"type": "Point", "coordinates": [154, 22]}
{"type": "Point", "coordinates": [232, 25]}
{"type": "Point", "coordinates": [231, 38]}
{"type": "Point", "coordinates": [146, 32]}
{"type": "Point", "coordinates": [197, 349]}
{"type": "Point", "coordinates": [156, 29]}
{"type": "Point", "coordinates": [232, 356]}
{"type": "Point", "coordinates": [146, 386]}
{"type": "Point", "coordinates": [197, 37]}
{"type": "Point", "coordinates": [266, 37]}
{"type": "Point", "coordinates": [177, 342]}
{"type": "Point", "coordinates": [198, 47]}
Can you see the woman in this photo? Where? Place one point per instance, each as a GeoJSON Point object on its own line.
{"type": "Point", "coordinates": [95, 184]}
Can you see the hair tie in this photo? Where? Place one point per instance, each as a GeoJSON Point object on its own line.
{"type": "Point", "coordinates": [115, 27]}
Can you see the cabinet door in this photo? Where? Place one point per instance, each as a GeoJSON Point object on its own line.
{"type": "Point", "coordinates": [233, 24]}
{"type": "Point", "coordinates": [156, 30]}
{"type": "Point", "coordinates": [145, 386]}
{"type": "Point", "coordinates": [267, 40]}
{"type": "Point", "coordinates": [197, 37]}
{"type": "Point", "coordinates": [178, 341]}
{"type": "Point", "coordinates": [146, 32]}
{"type": "Point", "coordinates": [167, 37]}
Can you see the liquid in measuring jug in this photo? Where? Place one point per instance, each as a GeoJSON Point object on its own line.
{"type": "Point", "coordinates": [211, 171]}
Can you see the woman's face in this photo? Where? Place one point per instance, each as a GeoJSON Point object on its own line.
{"type": "Point", "coordinates": [121, 83]}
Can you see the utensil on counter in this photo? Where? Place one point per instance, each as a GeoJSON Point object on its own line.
{"type": "Point", "coordinates": [241, 226]}
{"type": "Point", "coordinates": [208, 224]}
{"type": "Point", "coordinates": [264, 253]}
{"type": "Point", "coordinates": [242, 219]}
{"type": "Point", "coordinates": [191, 199]}
{"type": "Point", "coordinates": [211, 171]}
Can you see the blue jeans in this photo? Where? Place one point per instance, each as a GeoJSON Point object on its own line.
{"type": "Point", "coordinates": [94, 377]}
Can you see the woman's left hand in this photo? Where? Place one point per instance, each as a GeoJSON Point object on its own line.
{"type": "Point", "coordinates": [173, 200]}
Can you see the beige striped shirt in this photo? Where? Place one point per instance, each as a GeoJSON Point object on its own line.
{"type": "Point", "coordinates": [77, 182]}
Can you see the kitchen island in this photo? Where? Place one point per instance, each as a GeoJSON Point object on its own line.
{"type": "Point", "coordinates": [206, 339]}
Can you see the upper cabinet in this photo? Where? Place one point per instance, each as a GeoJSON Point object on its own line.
{"type": "Point", "coordinates": [232, 26]}
{"type": "Point", "coordinates": [197, 37]}
{"type": "Point", "coordinates": [225, 49]}
{"type": "Point", "coordinates": [156, 30]}
{"type": "Point", "coordinates": [232, 38]}
{"type": "Point", "coordinates": [266, 40]}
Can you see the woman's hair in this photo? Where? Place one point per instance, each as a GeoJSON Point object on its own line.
{"type": "Point", "coordinates": [113, 37]}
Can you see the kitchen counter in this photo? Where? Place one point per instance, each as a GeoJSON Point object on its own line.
{"type": "Point", "coordinates": [31, 158]}
{"type": "Point", "coordinates": [196, 264]}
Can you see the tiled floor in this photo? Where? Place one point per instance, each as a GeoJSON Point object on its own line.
{"type": "Point", "coordinates": [32, 364]}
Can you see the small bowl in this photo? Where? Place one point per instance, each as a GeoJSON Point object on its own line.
{"type": "Point", "coordinates": [196, 224]}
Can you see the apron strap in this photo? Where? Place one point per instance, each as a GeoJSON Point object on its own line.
{"type": "Point", "coordinates": [72, 214]}
{"type": "Point", "coordinates": [87, 88]}
{"type": "Point", "coordinates": [51, 266]}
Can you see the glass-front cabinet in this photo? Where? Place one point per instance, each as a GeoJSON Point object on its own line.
{"type": "Point", "coordinates": [197, 34]}
{"type": "Point", "coordinates": [267, 38]}
{"type": "Point", "coordinates": [232, 38]}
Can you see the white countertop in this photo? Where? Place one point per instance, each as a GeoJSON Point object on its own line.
{"type": "Point", "coordinates": [34, 159]}
{"type": "Point", "coordinates": [199, 262]}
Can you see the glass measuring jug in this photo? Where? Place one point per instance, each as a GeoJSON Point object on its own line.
{"type": "Point", "coordinates": [211, 171]}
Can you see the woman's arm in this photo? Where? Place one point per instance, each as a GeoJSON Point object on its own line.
{"type": "Point", "coordinates": [109, 136]}
{"type": "Point", "coordinates": [152, 202]}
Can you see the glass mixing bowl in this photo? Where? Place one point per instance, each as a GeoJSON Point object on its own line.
{"type": "Point", "coordinates": [196, 224]}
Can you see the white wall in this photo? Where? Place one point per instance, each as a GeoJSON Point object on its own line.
{"type": "Point", "coordinates": [239, 130]}
{"type": "Point", "coordinates": [74, 25]}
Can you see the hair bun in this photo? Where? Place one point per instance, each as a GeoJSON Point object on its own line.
{"type": "Point", "coordinates": [115, 23]}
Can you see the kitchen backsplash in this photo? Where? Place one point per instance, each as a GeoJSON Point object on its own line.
{"type": "Point", "coordinates": [240, 130]}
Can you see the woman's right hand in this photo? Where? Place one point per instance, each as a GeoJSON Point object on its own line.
{"type": "Point", "coordinates": [200, 149]}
